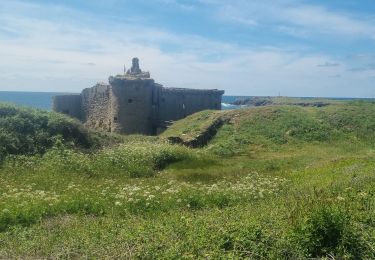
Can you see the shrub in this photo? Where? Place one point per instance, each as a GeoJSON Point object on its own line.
{"type": "Point", "coordinates": [31, 131]}
{"type": "Point", "coordinates": [329, 231]}
{"type": "Point", "coordinates": [249, 242]}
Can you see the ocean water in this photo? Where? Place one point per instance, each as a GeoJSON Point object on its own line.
{"type": "Point", "coordinates": [226, 100]}
{"type": "Point", "coordinates": [43, 100]}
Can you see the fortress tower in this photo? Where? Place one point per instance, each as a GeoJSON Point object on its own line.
{"type": "Point", "coordinates": [133, 103]}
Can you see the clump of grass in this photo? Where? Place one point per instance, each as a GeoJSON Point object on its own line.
{"type": "Point", "coordinates": [329, 231]}
{"type": "Point", "coordinates": [139, 159]}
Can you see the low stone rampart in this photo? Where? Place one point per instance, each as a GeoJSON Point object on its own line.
{"type": "Point", "coordinates": [69, 104]}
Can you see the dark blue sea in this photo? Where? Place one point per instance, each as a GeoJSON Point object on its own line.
{"type": "Point", "coordinates": [43, 100]}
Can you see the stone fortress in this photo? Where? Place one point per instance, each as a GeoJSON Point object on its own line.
{"type": "Point", "coordinates": [133, 103]}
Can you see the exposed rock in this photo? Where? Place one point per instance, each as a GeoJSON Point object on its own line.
{"type": "Point", "coordinates": [252, 101]}
{"type": "Point", "coordinates": [268, 101]}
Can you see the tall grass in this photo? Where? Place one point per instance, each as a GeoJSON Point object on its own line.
{"type": "Point", "coordinates": [132, 159]}
{"type": "Point", "coordinates": [274, 183]}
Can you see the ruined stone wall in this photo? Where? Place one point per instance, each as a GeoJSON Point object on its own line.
{"type": "Point", "coordinates": [96, 107]}
{"type": "Point", "coordinates": [68, 104]}
{"type": "Point", "coordinates": [131, 105]}
{"type": "Point", "coordinates": [177, 103]}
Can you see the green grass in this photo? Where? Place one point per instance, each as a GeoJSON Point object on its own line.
{"type": "Point", "coordinates": [193, 125]}
{"type": "Point", "coordinates": [279, 182]}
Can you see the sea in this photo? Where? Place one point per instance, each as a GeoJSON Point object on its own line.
{"type": "Point", "coordinates": [43, 100]}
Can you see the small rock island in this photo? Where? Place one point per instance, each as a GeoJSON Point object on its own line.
{"type": "Point", "coordinates": [133, 103]}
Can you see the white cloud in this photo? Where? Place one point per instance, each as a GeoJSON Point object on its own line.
{"type": "Point", "coordinates": [321, 20]}
{"type": "Point", "coordinates": [294, 18]}
{"type": "Point", "coordinates": [69, 54]}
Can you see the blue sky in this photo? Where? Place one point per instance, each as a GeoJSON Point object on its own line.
{"type": "Point", "coordinates": [246, 47]}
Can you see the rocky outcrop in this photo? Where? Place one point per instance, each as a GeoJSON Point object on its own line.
{"type": "Point", "coordinates": [269, 101]}
{"type": "Point", "coordinates": [252, 101]}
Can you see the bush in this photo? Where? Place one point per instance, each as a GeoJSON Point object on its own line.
{"type": "Point", "coordinates": [329, 231]}
{"type": "Point", "coordinates": [31, 131]}
{"type": "Point", "coordinates": [250, 242]}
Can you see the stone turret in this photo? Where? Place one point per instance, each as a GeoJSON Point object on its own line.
{"type": "Point", "coordinates": [135, 71]}
{"type": "Point", "coordinates": [135, 67]}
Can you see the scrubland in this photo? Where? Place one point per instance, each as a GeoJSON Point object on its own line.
{"type": "Point", "coordinates": [278, 182]}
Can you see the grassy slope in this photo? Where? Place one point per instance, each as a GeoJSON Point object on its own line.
{"type": "Point", "coordinates": [275, 182]}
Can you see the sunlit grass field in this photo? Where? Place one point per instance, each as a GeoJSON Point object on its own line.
{"type": "Point", "coordinates": [280, 182]}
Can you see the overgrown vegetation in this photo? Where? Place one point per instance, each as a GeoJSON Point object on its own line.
{"type": "Point", "coordinates": [275, 126]}
{"type": "Point", "coordinates": [279, 182]}
{"type": "Point", "coordinates": [31, 131]}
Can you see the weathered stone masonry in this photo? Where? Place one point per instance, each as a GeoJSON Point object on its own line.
{"type": "Point", "coordinates": [134, 104]}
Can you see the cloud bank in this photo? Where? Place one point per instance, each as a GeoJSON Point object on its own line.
{"type": "Point", "coordinates": [51, 47]}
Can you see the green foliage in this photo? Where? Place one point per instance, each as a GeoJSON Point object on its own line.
{"type": "Point", "coordinates": [274, 183]}
{"type": "Point", "coordinates": [133, 159]}
{"type": "Point", "coordinates": [192, 126]}
{"type": "Point", "coordinates": [329, 231]}
{"type": "Point", "coordinates": [31, 131]}
{"type": "Point", "coordinates": [276, 126]}
{"type": "Point", "coordinates": [357, 119]}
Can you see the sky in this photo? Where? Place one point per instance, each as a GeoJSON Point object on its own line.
{"type": "Point", "coordinates": [315, 48]}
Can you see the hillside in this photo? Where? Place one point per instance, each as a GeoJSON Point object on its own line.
{"type": "Point", "coordinates": [275, 182]}
{"type": "Point", "coordinates": [235, 130]}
